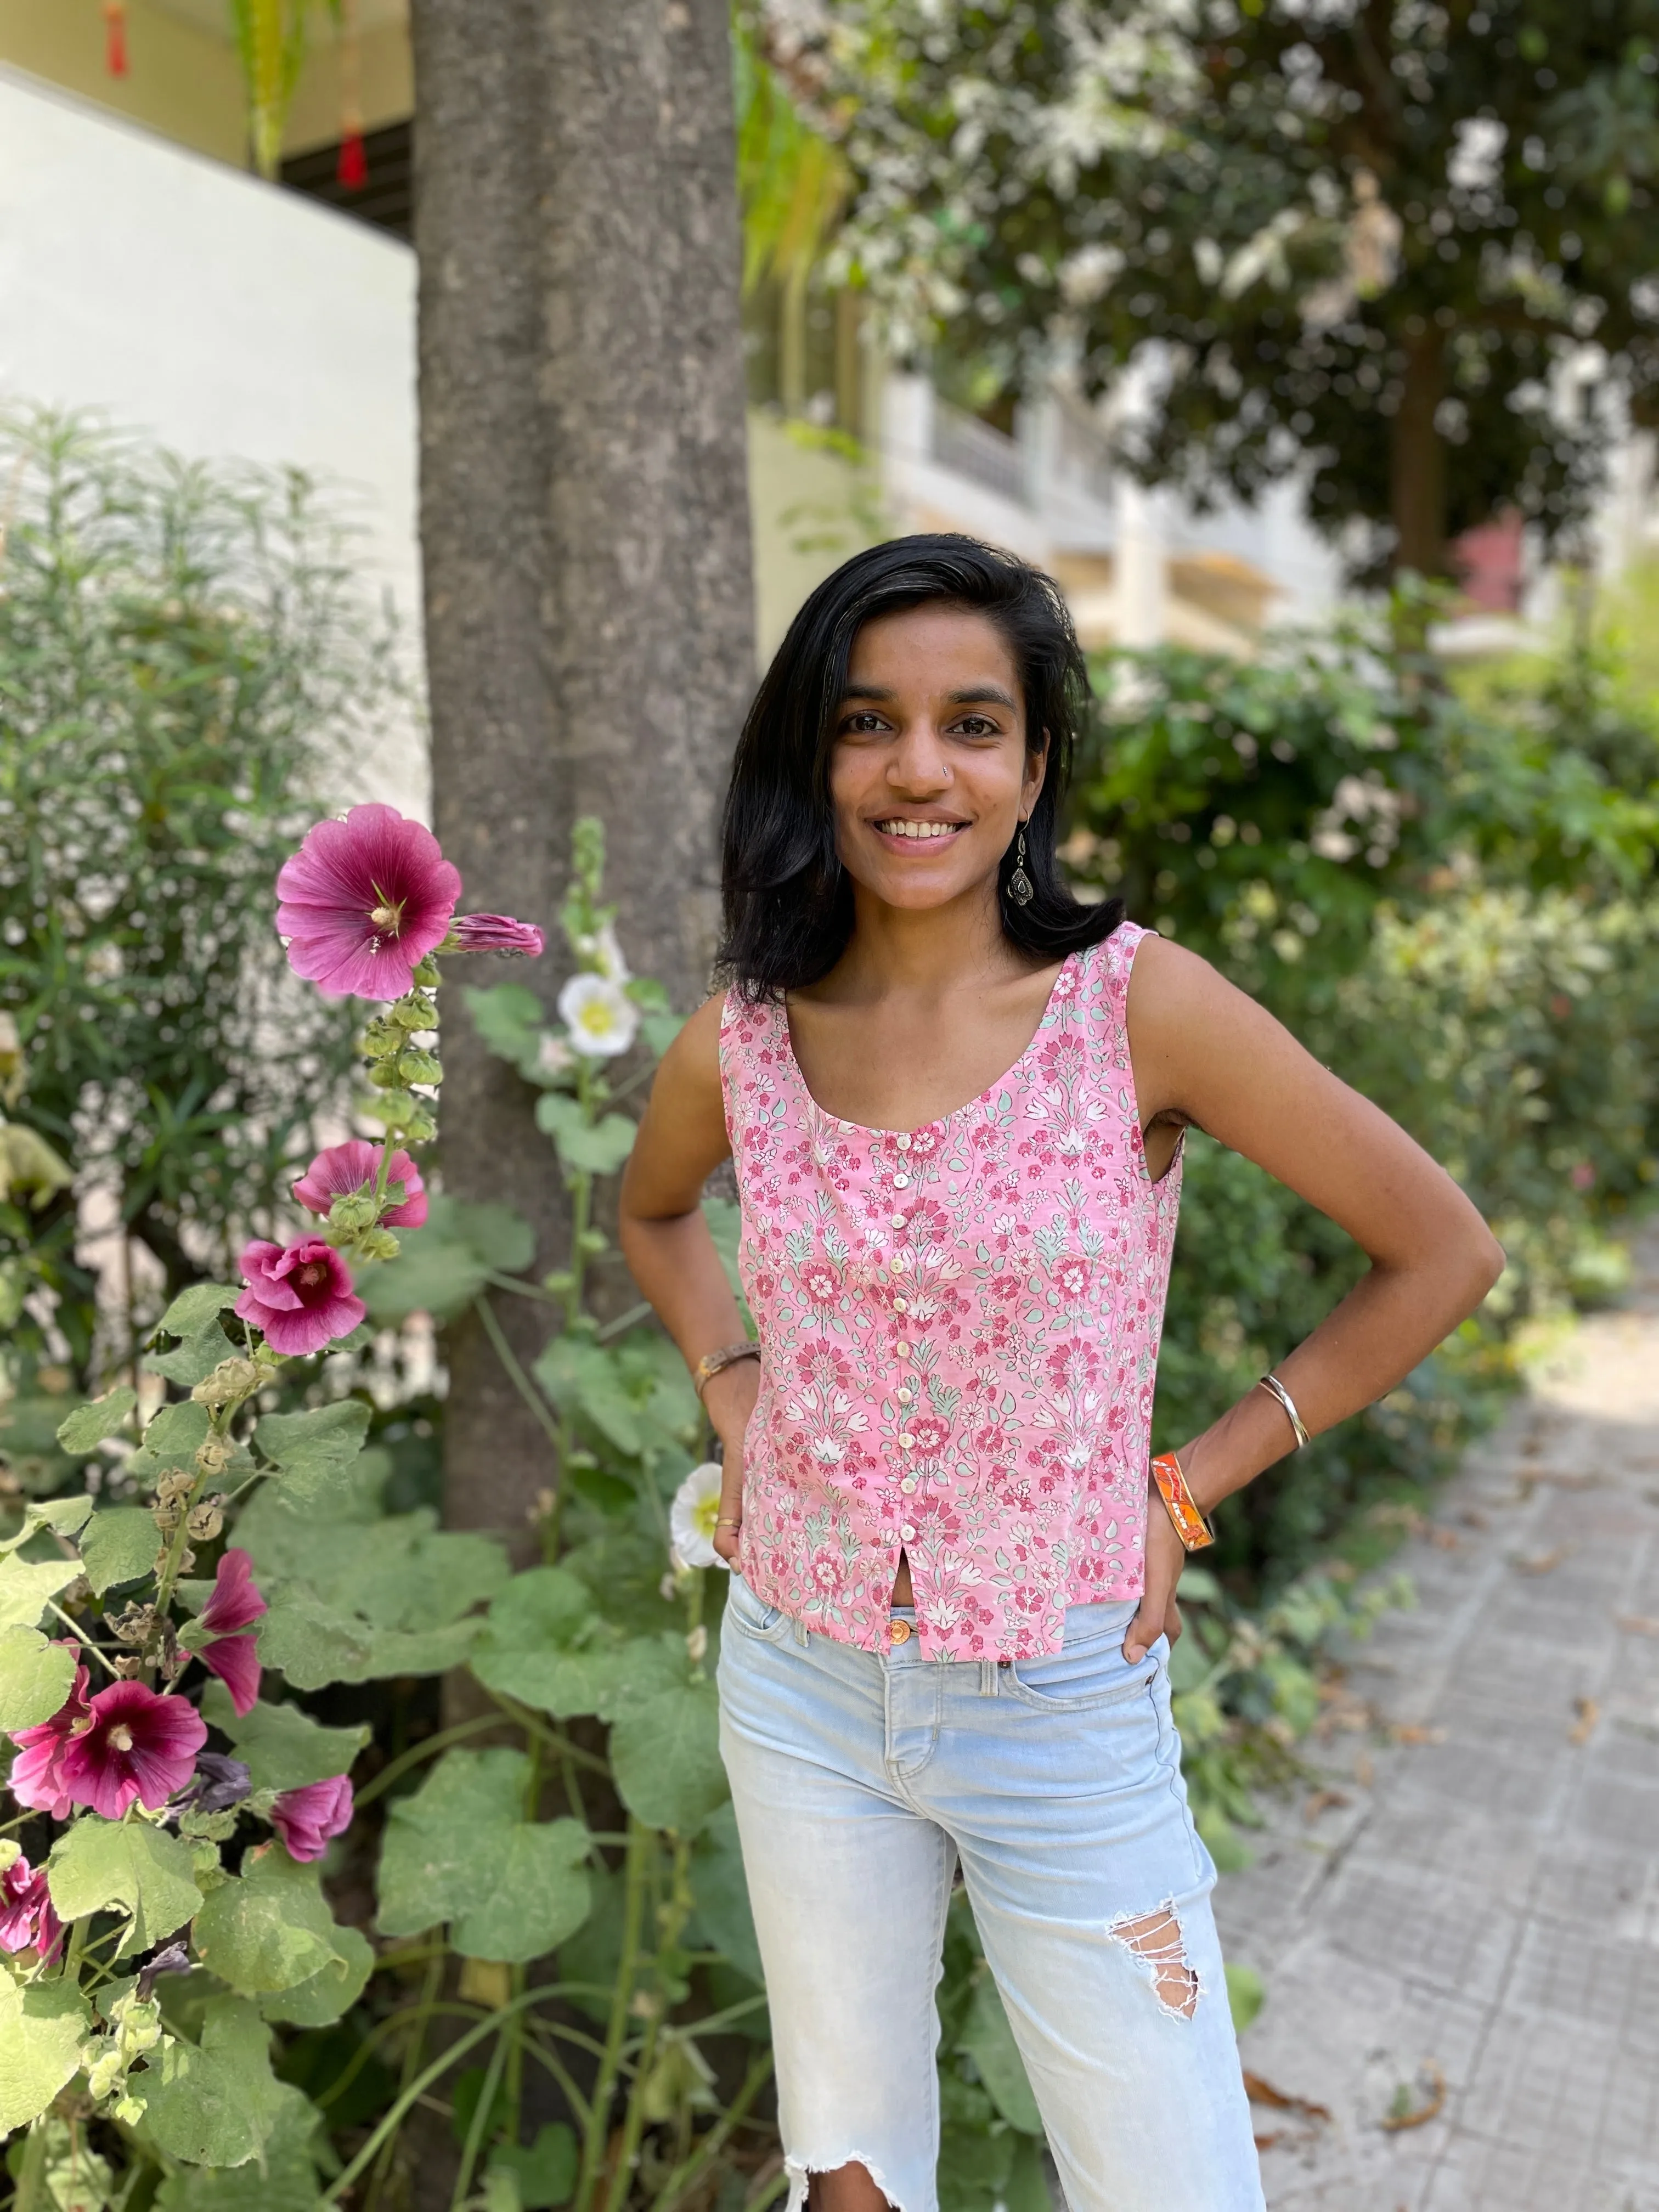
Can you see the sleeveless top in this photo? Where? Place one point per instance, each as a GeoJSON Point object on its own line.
{"type": "Point", "coordinates": [958, 1329]}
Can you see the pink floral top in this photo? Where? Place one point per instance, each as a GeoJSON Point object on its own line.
{"type": "Point", "coordinates": [959, 1328]}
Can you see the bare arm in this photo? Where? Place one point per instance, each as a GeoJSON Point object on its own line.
{"type": "Point", "coordinates": [666, 1239]}
{"type": "Point", "coordinates": [1205, 1053]}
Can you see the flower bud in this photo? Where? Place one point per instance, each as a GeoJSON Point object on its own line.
{"type": "Point", "coordinates": [420, 1127]}
{"type": "Point", "coordinates": [419, 1010]}
{"type": "Point", "coordinates": [206, 1523]}
{"type": "Point", "coordinates": [381, 1039]}
{"type": "Point", "coordinates": [379, 1244]}
{"type": "Point", "coordinates": [229, 1384]}
{"type": "Point", "coordinates": [415, 1065]}
{"type": "Point", "coordinates": [354, 1210]}
{"type": "Point", "coordinates": [383, 1075]}
{"type": "Point", "coordinates": [426, 974]}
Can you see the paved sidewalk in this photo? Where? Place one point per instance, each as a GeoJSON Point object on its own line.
{"type": "Point", "coordinates": [1469, 1895]}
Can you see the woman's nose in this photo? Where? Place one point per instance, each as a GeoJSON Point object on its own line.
{"type": "Point", "coordinates": [919, 763]}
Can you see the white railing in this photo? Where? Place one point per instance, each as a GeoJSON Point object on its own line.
{"type": "Point", "coordinates": [974, 449]}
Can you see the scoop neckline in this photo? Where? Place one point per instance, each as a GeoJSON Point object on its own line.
{"type": "Point", "coordinates": [940, 1121]}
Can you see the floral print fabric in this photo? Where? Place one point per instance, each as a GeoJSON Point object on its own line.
{"type": "Point", "coordinates": [959, 1328]}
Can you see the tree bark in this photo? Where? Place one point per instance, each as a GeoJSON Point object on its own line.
{"type": "Point", "coordinates": [1418, 458]}
{"type": "Point", "coordinates": [584, 534]}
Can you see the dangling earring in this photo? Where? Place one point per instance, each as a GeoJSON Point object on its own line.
{"type": "Point", "coordinates": [1021, 889]}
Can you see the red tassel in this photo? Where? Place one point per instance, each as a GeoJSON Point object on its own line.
{"type": "Point", "coordinates": [352, 168]}
{"type": "Point", "coordinates": [115, 36]}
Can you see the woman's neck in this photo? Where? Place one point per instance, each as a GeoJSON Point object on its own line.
{"type": "Point", "coordinates": [926, 953]}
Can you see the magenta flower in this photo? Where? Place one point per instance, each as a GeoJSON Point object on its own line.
{"type": "Point", "coordinates": [305, 1819]}
{"type": "Point", "coordinates": [496, 933]}
{"type": "Point", "coordinates": [27, 1916]}
{"type": "Point", "coordinates": [132, 1744]}
{"type": "Point", "coordinates": [37, 1773]}
{"type": "Point", "coordinates": [230, 1612]}
{"type": "Point", "coordinates": [363, 902]}
{"type": "Point", "coordinates": [344, 1170]}
{"type": "Point", "coordinates": [302, 1297]}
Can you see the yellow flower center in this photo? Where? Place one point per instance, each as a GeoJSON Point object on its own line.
{"type": "Point", "coordinates": [120, 1737]}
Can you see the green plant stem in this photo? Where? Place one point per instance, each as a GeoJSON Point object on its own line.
{"type": "Point", "coordinates": [641, 1844]}
{"type": "Point", "coordinates": [515, 2033]}
{"type": "Point", "coordinates": [437, 2008]}
{"type": "Point", "coordinates": [414, 2090]}
{"type": "Point", "coordinates": [686, 2176]}
{"type": "Point", "coordinates": [478, 2128]}
{"type": "Point", "coordinates": [532, 1727]}
{"type": "Point", "coordinates": [29, 2196]}
{"type": "Point", "coordinates": [603, 1335]}
{"type": "Point", "coordinates": [80, 1638]}
{"type": "Point", "coordinates": [515, 1374]}
{"type": "Point", "coordinates": [428, 1747]}
{"type": "Point", "coordinates": [672, 1918]}
{"type": "Point", "coordinates": [434, 1982]}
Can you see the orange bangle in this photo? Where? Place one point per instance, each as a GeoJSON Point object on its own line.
{"type": "Point", "coordinates": [1194, 1529]}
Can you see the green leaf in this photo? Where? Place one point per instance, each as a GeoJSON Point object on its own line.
{"type": "Point", "coordinates": [88, 1426]}
{"type": "Point", "coordinates": [432, 1274]}
{"type": "Point", "coordinates": [194, 1360]}
{"type": "Point", "coordinates": [330, 1995]}
{"type": "Point", "coordinates": [25, 1585]}
{"type": "Point", "coordinates": [215, 2103]}
{"type": "Point", "coordinates": [510, 1020]}
{"type": "Point", "coordinates": [461, 1850]}
{"type": "Point", "coordinates": [172, 1439]}
{"type": "Point", "coordinates": [989, 2042]}
{"type": "Point", "coordinates": [722, 1892]}
{"type": "Point", "coordinates": [502, 1239]}
{"type": "Point", "coordinates": [68, 1516]}
{"type": "Point", "coordinates": [35, 1678]}
{"type": "Point", "coordinates": [270, 1927]}
{"type": "Point", "coordinates": [119, 1544]}
{"type": "Point", "coordinates": [665, 1758]}
{"type": "Point", "coordinates": [40, 2030]}
{"type": "Point", "coordinates": [599, 1148]}
{"type": "Point", "coordinates": [313, 1450]}
{"type": "Point", "coordinates": [584, 1377]}
{"type": "Point", "coordinates": [282, 2178]}
{"type": "Point", "coordinates": [197, 1308]}
{"type": "Point", "coordinates": [544, 1643]}
{"type": "Point", "coordinates": [661, 1029]}
{"type": "Point", "coordinates": [283, 1748]}
{"type": "Point", "coordinates": [315, 1643]}
{"type": "Point", "coordinates": [544, 2172]}
{"type": "Point", "coordinates": [123, 1866]}
{"type": "Point", "coordinates": [1246, 1994]}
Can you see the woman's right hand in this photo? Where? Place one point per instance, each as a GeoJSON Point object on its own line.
{"type": "Point", "coordinates": [729, 1401]}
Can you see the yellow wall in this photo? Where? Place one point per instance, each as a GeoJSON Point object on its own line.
{"type": "Point", "coordinates": [809, 509]}
{"type": "Point", "coordinates": [181, 82]}
{"type": "Point", "coordinates": [385, 81]}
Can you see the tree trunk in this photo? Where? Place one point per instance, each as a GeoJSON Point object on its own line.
{"type": "Point", "coordinates": [1418, 458]}
{"type": "Point", "coordinates": [584, 533]}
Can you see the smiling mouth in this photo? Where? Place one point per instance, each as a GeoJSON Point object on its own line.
{"type": "Point", "coordinates": [921, 831]}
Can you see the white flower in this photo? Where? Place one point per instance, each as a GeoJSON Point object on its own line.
{"type": "Point", "coordinates": [602, 1019]}
{"type": "Point", "coordinates": [606, 954]}
{"type": "Point", "coordinates": [692, 1516]}
{"type": "Point", "coordinates": [553, 1054]}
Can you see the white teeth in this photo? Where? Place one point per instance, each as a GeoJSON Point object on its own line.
{"type": "Point", "coordinates": [904, 828]}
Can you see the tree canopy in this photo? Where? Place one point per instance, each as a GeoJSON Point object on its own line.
{"type": "Point", "coordinates": [1410, 247]}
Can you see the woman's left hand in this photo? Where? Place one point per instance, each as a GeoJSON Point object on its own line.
{"type": "Point", "coordinates": [1157, 1614]}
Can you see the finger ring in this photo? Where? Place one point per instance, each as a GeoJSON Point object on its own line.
{"type": "Point", "coordinates": [726, 1520]}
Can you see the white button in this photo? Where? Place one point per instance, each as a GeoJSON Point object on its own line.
{"type": "Point", "coordinates": [902, 1349]}
{"type": "Point", "coordinates": [907, 1534]}
{"type": "Point", "coordinates": [901, 1183]}
{"type": "Point", "coordinates": [900, 1220]}
{"type": "Point", "coordinates": [905, 1396]}
{"type": "Point", "coordinates": [903, 1142]}
{"type": "Point", "coordinates": [908, 1485]}
{"type": "Point", "coordinates": [907, 1443]}
{"type": "Point", "coordinates": [900, 1305]}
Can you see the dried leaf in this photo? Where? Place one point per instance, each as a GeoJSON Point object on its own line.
{"type": "Point", "coordinates": [1263, 2093]}
{"type": "Point", "coordinates": [1414, 1732]}
{"type": "Point", "coordinates": [1636, 1623]}
{"type": "Point", "coordinates": [1321, 1801]}
{"type": "Point", "coordinates": [1545, 1561]}
{"type": "Point", "coordinates": [1364, 1769]}
{"type": "Point", "coordinates": [1431, 2109]}
{"type": "Point", "coordinates": [1584, 1728]}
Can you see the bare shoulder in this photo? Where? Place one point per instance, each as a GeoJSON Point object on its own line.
{"type": "Point", "coordinates": [1171, 987]}
{"type": "Point", "coordinates": [695, 1055]}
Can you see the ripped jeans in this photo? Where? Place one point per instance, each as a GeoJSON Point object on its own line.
{"type": "Point", "coordinates": [860, 1779]}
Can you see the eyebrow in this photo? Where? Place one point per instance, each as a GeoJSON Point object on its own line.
{"type": "Point", "coordinates": [975, 695]}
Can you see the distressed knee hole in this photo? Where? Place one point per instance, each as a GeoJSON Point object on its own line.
{"type": "Point", "coordinates": [852, 2186]}
{"type": "Point", "coordinates": [1156, 1940]}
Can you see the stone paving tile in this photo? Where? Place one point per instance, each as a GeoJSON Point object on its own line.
{"type": "Point", "coordinates": [1482, 1906]}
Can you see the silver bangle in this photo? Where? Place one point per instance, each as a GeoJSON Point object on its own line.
{"type": "Point", "coordinates": [1272, 1382]}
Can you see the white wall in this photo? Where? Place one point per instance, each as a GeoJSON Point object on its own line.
{"type": "Point", "coordinates": [226, 317]}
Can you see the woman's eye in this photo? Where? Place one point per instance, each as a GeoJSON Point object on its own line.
{"type": "Point", "coordinates": [976, 725]}
{"type": "Point", "coordinates": [861, 725]}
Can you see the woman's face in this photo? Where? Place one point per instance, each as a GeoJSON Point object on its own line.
{"type": "Point", "coordinates": [929, 775]}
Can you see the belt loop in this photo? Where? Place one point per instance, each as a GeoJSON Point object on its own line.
{"type": "Point", "coordinates": [988, 1678]}
{"type": "Point", "coordinates": [801, 1634]}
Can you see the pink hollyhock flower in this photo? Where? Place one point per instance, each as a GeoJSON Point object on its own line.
{"type": "Point", "coordinates": [496, 933]}
{"type": "Point", "coordinates": [305, 1819]}
{"type": "Point", "coordinates": [27, 1916]}
{"type": "Point", "coordinates": [133, 1744]}
{"type": "Point", "coordinates": [231, 1613]}
{"type": "Point", "coordinates": [302, 1297]}
{"type": "Point", "coordinates": [37, 1773]}
{"type": "Point", "coordinates": [344, 1170]}
{"type": "Point", "coordinates": [363, 902]}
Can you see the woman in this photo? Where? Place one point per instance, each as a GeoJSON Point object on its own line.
{"type": "Point", "coordinates": [955, 1097]}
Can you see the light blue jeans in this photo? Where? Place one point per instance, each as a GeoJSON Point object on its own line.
{"type": "Point", "coordinates": [860, 1779]}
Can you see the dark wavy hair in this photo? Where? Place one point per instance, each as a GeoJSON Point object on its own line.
{"type": "Point", "coordinates": [787, 903]}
